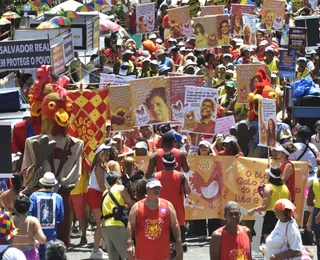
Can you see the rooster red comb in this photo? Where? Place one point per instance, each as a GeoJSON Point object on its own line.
{"type": "Point", "coordinates": [263, 78]}
{"type": "Point", "coordinates": [43, 78]}
{"type": "Point", "coordinates": [60, 87]}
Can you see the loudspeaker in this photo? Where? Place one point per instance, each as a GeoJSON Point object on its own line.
{"type": "Point", "coordinates": [5, 151]}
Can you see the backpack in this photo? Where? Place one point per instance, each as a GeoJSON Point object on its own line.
{"type": "Point", "coordinates": [3, 249]}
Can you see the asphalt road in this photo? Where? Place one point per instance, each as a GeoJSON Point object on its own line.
{"type": "Point", "coordinates": [198, 248]}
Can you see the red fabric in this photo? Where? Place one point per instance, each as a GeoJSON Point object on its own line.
{"type": "Point", "coordinates": [171, 185]}
{"type": "Point", "coordinates": [234, 246]}
{"type": "Point", "coordinates": [161, 152]}
{"type": "Point", "coordinates": [165, 21]}
{"type": "Point", "coordinates": [291, 184]}
{"type": "Point", "coordinates": [132, 20]}
{"type": "Point", "coordinates": [206, 128]}
{"type": "Point", "coordinates": [94, 198]}
{"type": "Point", "coordinates": [153, 232]}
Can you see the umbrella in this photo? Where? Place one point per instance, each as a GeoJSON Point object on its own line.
{"type": "Point", "coordinates": [60, 20]}
{"type": "Point", "coordinates": [100, 2]}
{"type": "Point", "coordinates": [85, 8]}
{"type": "Point", "coordinates": [47, 25]}
{"type": "Point", "coordinates": [45, 2]}
{"type": "Point", "coordinates": [70, 14]}
{"type": "Point", "coordinates": [95, 5]}
{"type": "Point", "coordinates": [4, 21]}
{"type": "Point", "coordinates": [107, 26]}
{"type": "Point", "coordinates": [35, 3]}
{"type": "Point", "coordinates": [11, 15]}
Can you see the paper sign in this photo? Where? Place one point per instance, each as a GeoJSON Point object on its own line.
{"type": "Point", "coordinates": [68, 48]}
{"type": "Point", "coordinates": [212, 10]}
{"type": "Point", "coordinates": [237, 11]}
{"type": "Point", "coordinates": [57, 58]}
{"type": "Point", "coordinates": [114, 80]}
{"type": "Point", "coordinates": [249, 30]}
{"type": "Point", "coordinates": [180, 22]}
{"type": "Point", "coordinates": [224, 124]}
{"type": "Point", "coordinates": [287, 64]}
{"type": "Point", "coordinates": [272, 15]}
{"type": "Point", "coordinates": [200, 111]}
{"type": "Point", "coordinates": [145, 18]}
{"type": "Point", "coordinates": [297, 39]}
{"type": "Point", "coordinates": [267, 122]}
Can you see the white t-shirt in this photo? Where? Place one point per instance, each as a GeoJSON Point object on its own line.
{"type": "Point", "coordinates": [276, 240]}
{"type": "Point", "coordinates": [313, 141]}
{"type": "Point", "coordinates": [307, 157]}
{"type": "Point", "coordinates": [13, 254]}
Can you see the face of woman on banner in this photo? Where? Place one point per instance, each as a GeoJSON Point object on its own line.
{"type": "Point", "coordinates": [271, 126]}
{"type": "Point", "coordinates": [269, 17]}
{"type": "Point", "coordinates": [224, 27]}
{"type": "Point", "coordinates": [238, 21]}
{"type": "Point", "coordinates": [159, 109]}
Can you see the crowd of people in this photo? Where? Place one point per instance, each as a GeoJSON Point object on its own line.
{"type": "Point", "coordinates": [140, 214]}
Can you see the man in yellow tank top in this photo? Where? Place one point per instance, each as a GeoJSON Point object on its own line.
{"type": "Point", "coordinates": [271, 62]}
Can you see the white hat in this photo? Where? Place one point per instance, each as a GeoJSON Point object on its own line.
{"type": "Point", "coordinates": [26, 114]}
{"type": "Point", "coordinates": [101, 147]}
{"type": "Point", "coordinates": [146, 54]}
{"type": "Point", "coordinates": [304, 59]}
{"type": "Point", "coordinates": [48, 179]}
{"type": "Point", "coordinates": [229, 139]}
{"type": "Point", "coordinates": [264, 43]}
{"type": "Point", "coordinates": [280, 148]}
{"type": "Point", "coordinates": [141, 145]}
{"type": "Point", "coordinates": [205, 143]}
{"type": "Point", "coordinates": [118, 136]}
{"type": "Point", "coordinates": [172, 40]}
{"type": "Point", "coordinates": [159, 41]}
{"type": "Point", "coordinates": [153, 184]}
{"type": "Point", "coordinates": [227, 55]}
{"type": "Point", "coordinates": [127, 52]}
{"type": "Point", "coordinates": [152, 36]}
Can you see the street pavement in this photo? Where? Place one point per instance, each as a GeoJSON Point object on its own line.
{"type": "Point", "coordinates": [198, 248]}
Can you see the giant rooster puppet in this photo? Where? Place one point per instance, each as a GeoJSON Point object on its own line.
{"type": "Point", "coordinates": [55, 151]}
{"type": "Point", "coordinates": [32, 126]}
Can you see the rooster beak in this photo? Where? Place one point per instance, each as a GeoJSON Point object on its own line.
{"type": "Point", "coordinates": [36, 108]}
{"type": "Point", "coordinates": [62, 117]}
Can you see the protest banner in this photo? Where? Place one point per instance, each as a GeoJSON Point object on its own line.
{"type": "Point", "coordinates": [119, 103]}
{"type": "Point", "coordinates": [145, 18]}
{"type": "Point", "coordinates": [212, 10]}
{"type": "Point", "coordinates": [249, 29]}
{"type": "Point", "coordinates": [28, 54]}
{"type": "Point", "coordinates": [312, 25]}
{"type": "Point", "coordinates": [224, 124]}
{"type": "Point", "coordinates": [96, 33]}
{"type": "Point", "coordinates": [177, 92]}
{"type": "Point", "coordinates": [68, 48]}
{"type": "Point", "coordinates": [297, 39]}
{"type": "Point", "coordinates": [180, 22]}
{"type": "Point", "coordinates": [113, 80]}
{"type": "Point", "coordinates": [88, 118]}
{"type": "Point", "coordinates": [287, 64]}
{"type": "Point", "coordinates": [200, 111]}
{"type": "Point", "coordinates": [267, 110]}
{"type": "Point", "coordinates": [272, 15]}
{"type": "Point", "coordinates": [246, 76]}
{"type": "Point", "coordinates": [58, 65]}
{"type": "Point", "coordinates": [215, 180]}
{"type": "Point", "coordinates": [237, 23]}
{"type": "Point", "coordinates": [194, 7]}
{"type": "Point", "coordinates": [142, 162]}
{"type": "Point", "coordinates": [150, 100]}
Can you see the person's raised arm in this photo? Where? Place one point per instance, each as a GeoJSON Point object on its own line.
{"type": "Point", "coordinates": [184, 164]}
{"type": "Point", "coordinates": [267, 192]}
{"type": "Point", "coordinates": [130, 229]}
{"type": "Point", "coordinates": [151, 166]}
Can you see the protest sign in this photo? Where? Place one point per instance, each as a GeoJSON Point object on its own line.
{"type": "Point", "coordinates": [89, 35]}
{"type": "Point", "coordinates": [237, 11]}
{"type": "Point", "coordinates": [31, 54]}
{"type": "Point", "coordinates": [96, 33]}
{"type": "Point", "coordinates": [297, 39]}
{"type": "Point", "coordinates": [177, 92]}
{"type": "Point", "coordinates": [142, 162]}
{"type": "Point", "coordinates": [249, 29]}
{"type": "Point", "coordinates": [246, 77]}
{"type": "Point", "coordinates": [200, 111]}
{"type": "Point", "coordinates": [113, 80]}
{"type": "Point", "coordinates": [119, 103]}
{"type": "Point", "coordinates": [224, 124]}
{"type": "Point", "coordinates": [180, 22]}
{"type": "Point", "coordinates": [150, 100]}
{"type": "Point", "coordinates": [145, 18]}
{"type": "Point", "coordinates": [312, 25]}
{"type": "Point", "coordinates": [267, 110]}
{"type": "Point", "coordinates": [287, 64]}
{"type": "Point", "coordinates": [57, 59]}
{"type": "Point", "coordinates": [68, 48]}
{"type": "Point", "coordinates": [212, 10]}
{"type": "Point", "coordinates": [272, 15]}
{"type": "Point", "coordinates": [88, 118]}
{"type": "Point", "coordinates": [215, 180]}
{"type": "Point", "coordinates": [194, 7]}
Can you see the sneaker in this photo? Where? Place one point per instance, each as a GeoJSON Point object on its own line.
{"type": "Point", "coordinates": [100, 255]}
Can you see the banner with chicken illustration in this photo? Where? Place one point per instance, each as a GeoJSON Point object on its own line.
{"type": "Point", "coordinates": [88, 118]}
{"type": "Point", "coordinates": [145, 18]}
{"type": "Point", "coordinates": [119, 103]}
{"type": "Point", "coordinates": [177, 92]}
{"type": "Point", "coordinates": [246, 80]}
{"type": "Point", "coordinates": [150, 100]}
{"type": "Point", "coordinates": [200, 112]}
{"type": "Point", "coordinates": [215, 180]}
{"type": "Point", "coordinates": [267, 109]}
{"type": "Point", "coordinates": [180, 22]}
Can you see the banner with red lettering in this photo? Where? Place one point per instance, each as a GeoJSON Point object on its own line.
{"type": "Point", "coordinates": [89, 114]}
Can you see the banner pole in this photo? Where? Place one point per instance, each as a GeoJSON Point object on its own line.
{"type": "Point", "coordinates": [81, 86]}
{"type": "Point", "coordinates": [268, 156]}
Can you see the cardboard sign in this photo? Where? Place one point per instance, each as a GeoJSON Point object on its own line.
{"type": "Point", "coordinates": [237, 23]}
{"type": "Point", "coordinates": [180, 22]}
{"type": "Point", "coordinates": [297, 39]}
{"type": "Point", "coordinates": [267, 122]}
{"type": "Point", "coordinates": [224, 124]}
{"type": "Point", "coordinates": [212, 10]}
{"type": "Point", "coordinates": [287, 64]}
{"type": "Point", "coordinates": [249, 29]}
{"type": "Point", "coordinates": [58, 64]}
{"type": "Point", "coordinates": [119, 103]}
{"type": "Point", "coordinates": [145, 18]}
{"type": "Point", "coordinates": [31, 54]}
{"type": "Point", "coordinates": [200, 111]}
{"type": "Point", "coordinates": [272, 15]}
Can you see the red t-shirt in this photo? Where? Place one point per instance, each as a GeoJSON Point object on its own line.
{"type": "Point", "coordinates": [161, 152]}
{"type": "Point", "coordinates": [234, 247]}
{"type": "Point", "coordinates": [152, 232]}
{"type": "Point", "coordinates": [171, 186]}
{"type": "Point", "coordinates": [291, 181]}
{"type": "Point", "coordinates": [165, 22]}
